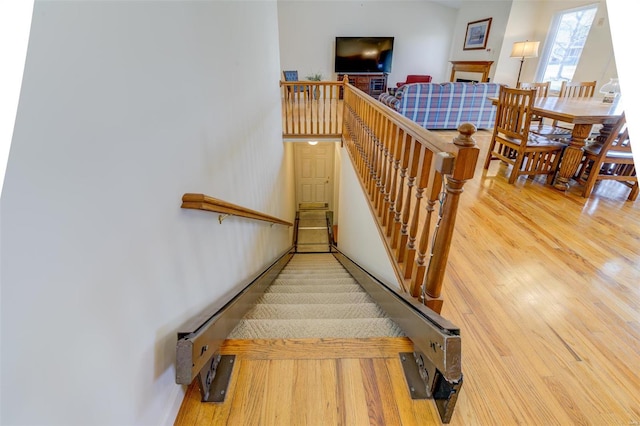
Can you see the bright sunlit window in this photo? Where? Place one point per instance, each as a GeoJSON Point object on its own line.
{"type": "Point", "coordinates": [564, 44]}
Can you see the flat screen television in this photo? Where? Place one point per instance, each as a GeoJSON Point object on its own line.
{"type": "Point", "coordinates": [363, 54]}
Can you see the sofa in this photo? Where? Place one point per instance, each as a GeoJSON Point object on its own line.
{"type": "Point", "coordinates": [445, 105]}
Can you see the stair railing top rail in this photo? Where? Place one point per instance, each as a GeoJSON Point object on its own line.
{"type": "Point", "coordinates": [207, 203]}
{"type": "Point", "coordinates": [399, 163]}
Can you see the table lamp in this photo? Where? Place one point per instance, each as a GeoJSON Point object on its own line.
{"type": "Point", "coordinates": [611, 90]}
{"type": "Point", "coordinates": [522, 50]}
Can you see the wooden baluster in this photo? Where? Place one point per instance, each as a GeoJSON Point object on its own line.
{"type": "Point", "coordinates": [420, 266]}
{"type": "Point", "coordinates": [379, 136]}
{"type": "Point", "coordinates": [321, 121]}
{"type": "Point", "coordinates": [313, 109]}
{"type": "Point", "coordinates": [384, 163]}
{"type": "Point", "coordinates": [300, 118]}
{"type": "Point", "coordinates": [368, 150]}
{"type": "Point", "coordinates": [376, 157]}
{"type": "Point", "coordinates": [366, 146]}
{"type": "Point", "coordinates": [463, 169]}
{"type": "Point", "coordinates": [374, 144]}
{"type": "Point", "coordinates": [357, 130]}
{"type": "Point", "coordinates": [424, 175]}
{"type": "Point", "coordinates": [334, 108]}
{"type": "Point", "coordinates": [308, 110]}
{"type": "Point", "coordinates": [406, 210]}
{"type": "Point", "coordinates": [327, 108]}
{"type": "Point", "coordinates": [285, 107]}
{"type": "Point", "coordinates": [393, 190]}
{"type": "Point", "coordinates": [406, 152]}
{"type": "Point", "coordinates": [373, 154]}
{"type": "Point", "coordinates": [358, 153]}
{"type": "Point", "coordinates": [388, 191]}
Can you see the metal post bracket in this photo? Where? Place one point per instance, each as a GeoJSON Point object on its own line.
{"type": "Point", "coordinates": [425, 381]}
{"type": "Point", "coordinates": [214, 381]}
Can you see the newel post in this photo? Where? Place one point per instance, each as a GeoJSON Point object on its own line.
{"type": "Point", "coordinates": [455, 177]}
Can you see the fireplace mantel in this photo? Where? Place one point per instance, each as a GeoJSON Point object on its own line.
{"type": "Point", "coordinates": [482, 67]}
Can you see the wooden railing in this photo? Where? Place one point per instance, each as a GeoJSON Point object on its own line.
{"type": "Point", "coordinates": [312, 109]}
{"type": "Point", "coordinates": [399, 163]}
{"type": "Point", "coordinates": [204, 202]}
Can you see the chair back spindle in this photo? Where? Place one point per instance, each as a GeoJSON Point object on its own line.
{"type": "Point", "coordinates": [577, 89]}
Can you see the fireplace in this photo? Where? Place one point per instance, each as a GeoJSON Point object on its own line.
{"type": "Point", "coordinates": [479, 67]}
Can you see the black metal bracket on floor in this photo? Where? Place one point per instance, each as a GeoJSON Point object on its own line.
{"type": "Point", "coordinates": [213, 380]}
{"type": "Point", "coordinates": [436, 341]}
{"type": "Point", "coordinates": [425, 381]}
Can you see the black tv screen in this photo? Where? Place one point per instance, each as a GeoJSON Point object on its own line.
{"type": "Point", "coordinates": [363, 54]}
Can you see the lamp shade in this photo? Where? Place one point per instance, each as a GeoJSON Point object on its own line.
{"type": "Point", "coordinates": [525, 49]}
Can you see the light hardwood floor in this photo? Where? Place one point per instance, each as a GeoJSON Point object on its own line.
{"type": "Point", "coordinates": [545, 287]}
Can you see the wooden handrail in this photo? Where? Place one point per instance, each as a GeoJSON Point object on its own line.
{"type": "Point", "coordinates": [204, 202]}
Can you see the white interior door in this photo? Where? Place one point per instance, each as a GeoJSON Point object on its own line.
{"type": "Point", "coordinates": [314, 173]}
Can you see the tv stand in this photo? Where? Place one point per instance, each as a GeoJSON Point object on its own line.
{"type": "Point", "coordinates": [372, 84]}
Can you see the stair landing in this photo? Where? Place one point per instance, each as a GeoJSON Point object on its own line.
{"type": "Point", "coordinates": [313, 234]}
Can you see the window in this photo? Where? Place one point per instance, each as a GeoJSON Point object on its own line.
{"type": "Point", "coordinates": [564, 44]}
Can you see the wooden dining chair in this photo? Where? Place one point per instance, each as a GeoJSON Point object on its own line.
{"type": "Point", "coordinates": [512, 142]}
{"type": "Point", "coordinates": [542, 88]}
{"type": "Point", "coordinates": [611, 160]}
{"type": "Point", "coordinates": [542, 91]}
{"type": "Point", "coordinates": [568, 89]}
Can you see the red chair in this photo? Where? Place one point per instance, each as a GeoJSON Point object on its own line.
{"type": "Point", "coordinates": [415, 78]}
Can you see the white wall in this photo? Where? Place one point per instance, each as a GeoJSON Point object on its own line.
{"type": "Point", "coordinates": [422, 32]}
{"type": "Point", "coordinates": [597, 61]}
{"type": "Point", "coordinates": [124, 107]}
{"type": "Point", "coordinates": [358, 235]}
{"type": "Point", "coordinates": [532, 20]}
{"type": "Point", "coordinates": [523, 22]}
{"type": "Point", "coordinates": [471, 11]}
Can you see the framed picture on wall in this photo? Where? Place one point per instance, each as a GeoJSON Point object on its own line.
{"type": "Point", "coordinates": [477, 34]}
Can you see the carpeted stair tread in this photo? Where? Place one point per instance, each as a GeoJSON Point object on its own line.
{"type": "Point", "coordinates": [314, 223]}
{"type": "Point", "coordinates": [311, 272]}
{"type": "Point", "coordinates": [316, 311]}
{"type": "Point", "coordinates": [314, 282]}
{"type": "Point", "coordinates": [303, 272]}
{"type": "Point", "coordinates": [312, 267]}
{"type": "Point", "coordinates": [357, 328]}
{"type": "Point", "coordinates": [312, 298]}
{"type": "Point", "coordinates": [327, 288]}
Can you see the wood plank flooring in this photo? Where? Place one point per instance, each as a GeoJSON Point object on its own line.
{"type": "Point", "coordinates": [545, 287]}
{"type": "Point", "coordinates": [313, 382]}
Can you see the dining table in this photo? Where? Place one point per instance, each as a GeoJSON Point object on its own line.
{"type": "Point", "coordinates": [582, 114]}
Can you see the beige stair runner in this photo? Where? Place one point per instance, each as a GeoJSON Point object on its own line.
{"type": "Point", "coordinates": [314, 296]}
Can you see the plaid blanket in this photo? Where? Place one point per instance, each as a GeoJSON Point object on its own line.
{"type": "Point", "coordinates": [445, 105]}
